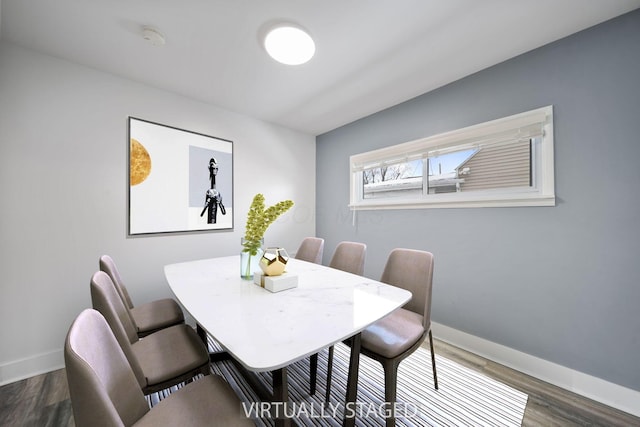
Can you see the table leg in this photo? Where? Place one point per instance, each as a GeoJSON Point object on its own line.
{"type": "Point", "coordinates": [281, 396]}
{"type": "Point", "coordinates": [352, 383]}
{"type": "Point", "coordinates": [313, 373]}
{"type": "Point", "coordinates": [214, 356]}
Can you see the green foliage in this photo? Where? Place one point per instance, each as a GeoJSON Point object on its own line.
{"type": "Point", "coordinates": [259, 219]}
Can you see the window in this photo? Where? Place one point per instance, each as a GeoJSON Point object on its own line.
{"type": "Point", "coordinates": [504, 162]}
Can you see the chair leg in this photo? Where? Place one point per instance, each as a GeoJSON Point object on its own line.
{"type": "Point", "coordinates": [206, 370]}
{"type": "Point", "coordinates": [313, 373]}
{"type": "Point", "coordinates": [329, 372]}
{"type": "Point", "coordinates": [390, 387]}
{"type": "Point", "coordinates": [433, 360]}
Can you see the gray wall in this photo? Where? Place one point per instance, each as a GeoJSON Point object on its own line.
{"type": "Point", "coordinates": [561, 283]}
{"type": "Point", "coordinates": [63, 192]}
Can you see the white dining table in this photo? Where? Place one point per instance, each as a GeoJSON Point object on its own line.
{"type": "Point", "coordinates": [265, 331]}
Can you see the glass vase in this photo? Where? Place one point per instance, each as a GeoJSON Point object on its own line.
{"type": "Point", "coordinates": [248, 262]}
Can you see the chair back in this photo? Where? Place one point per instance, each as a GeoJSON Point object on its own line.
{"type": "Point", "coordinates": [412, 270]}
{"type": "Point", "coordinates": [102, 387]}
{"type": "Point", "coordinates": [349, 257]}
{"type": "Point", "coordinates": [311, 250]}
{"type": "Point", "coordinates": [109, 266]}
{"type": "Point", "coordinates": [107, 301]}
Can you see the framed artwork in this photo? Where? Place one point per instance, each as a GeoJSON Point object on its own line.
{"type": "Point", "coordinates": [179, 181]}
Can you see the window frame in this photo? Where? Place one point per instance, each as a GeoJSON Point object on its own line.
{"type": "Point", "coordinates": [539, 122]}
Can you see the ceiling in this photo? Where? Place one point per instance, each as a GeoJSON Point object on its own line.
{"type": "Point", "coordinates": [370, 54]}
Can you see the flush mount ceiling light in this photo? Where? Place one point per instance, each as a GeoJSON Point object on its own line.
{"type": "Point", "coordinates": [289, 44]}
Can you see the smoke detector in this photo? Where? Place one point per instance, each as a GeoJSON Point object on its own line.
{"type": "Point", "coordinates": [153, 36]}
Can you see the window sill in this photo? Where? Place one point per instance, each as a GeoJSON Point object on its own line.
{"type": "Point", "coordinates": [449, 202]}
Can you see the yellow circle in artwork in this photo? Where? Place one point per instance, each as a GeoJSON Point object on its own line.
{"type": "Point", "coordinates": [140, 166]}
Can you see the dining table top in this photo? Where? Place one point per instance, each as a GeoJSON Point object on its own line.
{"type": "Point", "coordinates": [265, 331]}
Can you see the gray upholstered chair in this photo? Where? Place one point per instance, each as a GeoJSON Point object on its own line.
{"type": "Point", "coordinates": [349, 257]}
{"type": "Point", "coordinates": [311, 250]}
{"type": "Point", "coordinates": [104, 390]}
{"type": "Point", "coordinates": [148, 317]}
{"type": "Point", "coordinates": [396, 336]}
{"type": "Point", "coordinates": [159, 360]}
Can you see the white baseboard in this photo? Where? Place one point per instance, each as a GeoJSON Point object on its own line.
{"type": "Point", "coordinates": [602, 391]}
{"type": "Point", "coordinates": [28, 367]}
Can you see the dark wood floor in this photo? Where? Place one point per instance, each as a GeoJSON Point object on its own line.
{"type": "Point", "coordinates": [43, 400]}
{"type": "Point", "coordinates": [38, 401]}
{"type": "Point", "coordinates": [548, 405]}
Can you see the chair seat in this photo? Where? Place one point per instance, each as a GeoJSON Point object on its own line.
{"type": "Point", "coordinates": [157, 315]}
{"type": "Point", "coordinates": [393, 334]}
{"type": "Point", "coordinates": [159, 359]}
{"type": "Point", "coordinates": [208, 401]}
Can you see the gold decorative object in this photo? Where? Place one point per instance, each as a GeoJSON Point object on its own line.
{"type": "Point", "coordinates": [274, 261]}
{"type": "Point", "coordinates": [140, 163]}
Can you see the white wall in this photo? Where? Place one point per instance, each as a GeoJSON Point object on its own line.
{"type": "Point", "coordinates": [63, 186]}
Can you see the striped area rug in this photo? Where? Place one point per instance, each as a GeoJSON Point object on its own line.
{"type": "Point", "coordinates": [464, 398]}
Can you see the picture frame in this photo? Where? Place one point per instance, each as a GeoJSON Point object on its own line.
{"type": "Point", "coordinates": [179, 180]}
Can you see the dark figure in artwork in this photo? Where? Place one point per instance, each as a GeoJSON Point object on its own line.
{"type": "Point", "coordinates": [213, 198]}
